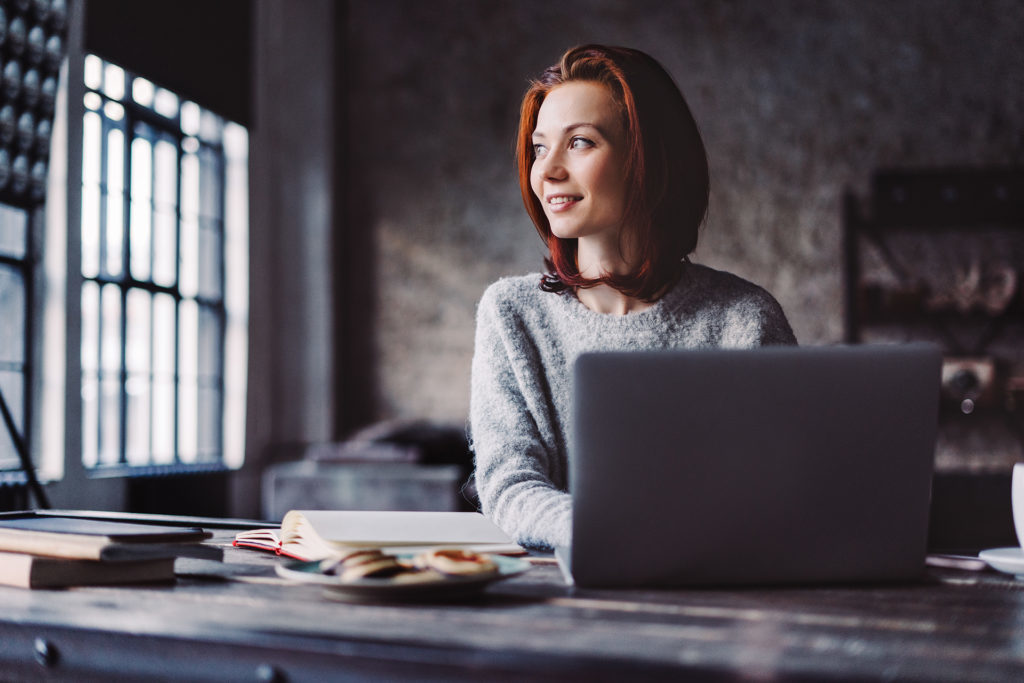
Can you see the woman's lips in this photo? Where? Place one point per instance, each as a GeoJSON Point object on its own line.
{"type": "Point", "coordinates": [557, 203]}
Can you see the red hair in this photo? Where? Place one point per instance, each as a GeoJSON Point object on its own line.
{"type": "Point", "coordinates": [666, 172]}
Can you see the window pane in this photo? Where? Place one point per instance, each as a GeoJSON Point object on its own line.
{"type": "Point", "coordinates": [188, 341]}
{"type": "Point", "coordinates": [137, 338]}
{"type": "Point", "coordinates": [187, 372]}
{"type": "Point", "coordinates": [209, 250]}
{"type": "Point", "coordinates": [211, 191]}
{"type": "Point", "coordinates": [110, 375]}
{"type": "Point", "coordinates": [13, 231]}
{"type": "Point", "coordinates": [115, 233]}
{"type": "Point", "coordinates": [93, 72]}
{"type": "Point", "coordinates": [137, 386]}
{"type": "Point", "coordinates": [209, 343]}
{"type": "Point", "coordinates": [113, 111]}
{"type": "Point", "coordinates": [138, 412]}
{"type": "Point", "coordinates": [143, 92]}
{"type": "Point", "coordinates": [209, 424]}
{"type": "Point", "coordinates": [190, 118]}
{"type": "Point", "coordinates": [92, 157]}
{"type": "Point", "coordinates": [189, 276]}
{"type": "Point", "coordinates": [115, 161]}
{"type": "Point", "coordinates": [165, 249]}
{"type": "Point", "coordinates": [110, 419]}
{"type": "Point", "coordinates": [12, 384]}
{"type": "Point", "coordinates": [90, 326]}
{"type": "Point", "coordinates": [164, 339]}
{"type": "Point", "coordinates": [163, 422]}
{"type": "Point", "coordinates": [142, 246]}
{"type": "Point", "coordinates": [110, 331]}
{"type": "Point", "coordinates": [190, 257]}
{"type": "Point", "coordinates": [190, 185]}
{"type": "Point", "coordinates": [210, 127]}
{"type": "Point", "coordinates": [141, 193]}
{"type": "Point", "coordinates": [92, 135]}
{"type": "Point", "coordinates": [166, 103]}
{"type": "Point", "coordinates": [115, 201]}
{"type": "Point", "coordinates": [90, 419]}
{"type": "Point", "coordinates": [90, 230]}
{"type": "Point", "coordinates": [165, 175]}
{"type": "Point", "coordinates": [113, 81]}
{"type": "Point", "coordinates": [90, 377]}
{"type": "Point", "coordinates": [12, 313]}
{"type": "Point", "coordinates": [142, 169]}
{"type": "Point", "coordinates": [92, 101]}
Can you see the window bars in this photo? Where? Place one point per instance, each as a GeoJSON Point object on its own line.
{"type": "Point", "coordinates": [164, 188]}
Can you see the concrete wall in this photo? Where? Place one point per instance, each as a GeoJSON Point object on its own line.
{"type": "Point", "coordinates": [798, 100]}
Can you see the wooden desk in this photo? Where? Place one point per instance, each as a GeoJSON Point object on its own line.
{"type": "Point", "coordinates": [955, 626]}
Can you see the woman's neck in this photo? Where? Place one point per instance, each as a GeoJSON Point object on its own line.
{"type": "Point", "coordinates": [606, 299]}
{"type": "Point", "coordinates": [598, 258]}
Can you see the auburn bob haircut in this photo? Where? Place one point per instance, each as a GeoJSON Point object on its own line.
{"type": "Point", "coordinates": [666, 173]}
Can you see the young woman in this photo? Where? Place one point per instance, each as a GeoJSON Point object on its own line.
{"type": "Point", "coordinates": [615, 178]}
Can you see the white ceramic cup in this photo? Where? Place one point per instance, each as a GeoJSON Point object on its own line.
{"type": "Point", "coordinates": [1017, 498]}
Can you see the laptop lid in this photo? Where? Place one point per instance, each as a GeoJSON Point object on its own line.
{"type": "Point", "coordinates": [772, 465]}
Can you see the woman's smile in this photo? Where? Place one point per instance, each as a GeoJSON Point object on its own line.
{"type": "Point", "coordinates": [562, 202]}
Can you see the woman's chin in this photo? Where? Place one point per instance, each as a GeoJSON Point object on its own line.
{"type": "Point", "coordinates": [567, 232]}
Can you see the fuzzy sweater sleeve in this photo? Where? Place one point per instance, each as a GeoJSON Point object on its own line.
{"type": "Point", "coordinates": [513, 464]}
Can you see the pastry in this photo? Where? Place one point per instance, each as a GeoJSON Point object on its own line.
{"type": "Point", "coordinates": [456, 562]}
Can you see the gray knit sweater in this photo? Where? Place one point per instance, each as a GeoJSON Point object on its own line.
{"type": "Point", "coordinates": [521, 394]}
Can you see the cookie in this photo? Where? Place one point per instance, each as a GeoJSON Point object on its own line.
{"type": "Point", "coordinates": [335, 564]}
{"type": "Point", "coordinates": [382, 567]}
{"type": "Point", "coordinates": [456, 562]}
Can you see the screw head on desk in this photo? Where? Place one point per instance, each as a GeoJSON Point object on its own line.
{"type": "Point", "coordinates": [45, 652]}
{"type": "Point", "coordinates": [267, 673]}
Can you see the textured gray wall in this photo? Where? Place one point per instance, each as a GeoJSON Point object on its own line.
{"type": "Point", "coordinates": [798, 100]}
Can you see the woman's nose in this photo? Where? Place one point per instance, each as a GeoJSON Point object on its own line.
{"type": "Point", "coordinates": [552, 166]}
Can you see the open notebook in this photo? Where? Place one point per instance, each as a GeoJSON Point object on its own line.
{"type": "Point", "coordinates": [316, 534]}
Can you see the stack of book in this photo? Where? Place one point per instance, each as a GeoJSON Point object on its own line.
{"type": "Point", "coordinates": [50, 551]}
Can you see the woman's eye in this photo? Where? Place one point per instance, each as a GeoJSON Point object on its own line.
{"type": "Point", "coordinates": [539, 151]}
{"type": "Point", "coordinates": [580, 143]}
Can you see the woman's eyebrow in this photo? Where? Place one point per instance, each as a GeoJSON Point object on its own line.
{"type": "Point", "coordinates": [582, 124]}
{"type": "Point", "coordinates": [538, 134]}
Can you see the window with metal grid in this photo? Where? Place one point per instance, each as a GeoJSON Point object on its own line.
{"type": "Point", "coordinates": [32, 46]}
{"type": "Point", "coordinates": [164, 278]}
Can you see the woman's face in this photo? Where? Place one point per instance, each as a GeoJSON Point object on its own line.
{"type": "Point", "coordinates": [577, 174]}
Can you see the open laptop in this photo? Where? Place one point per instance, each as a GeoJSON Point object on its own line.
{"type": "Point", "coordinates": [773, 465]}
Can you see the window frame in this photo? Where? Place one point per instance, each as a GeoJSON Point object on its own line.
{"type": "Point", "coordinates": [138, 122]}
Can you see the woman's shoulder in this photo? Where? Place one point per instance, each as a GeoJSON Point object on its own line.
{"type": "Point", "coordinates": [738, 303]}
{"type": "Point", "coordinates": [512, 292]}
{"type": "Point", "coordinates": [720, 286]}
{"type": "Point", "coordinates": [517, 306]}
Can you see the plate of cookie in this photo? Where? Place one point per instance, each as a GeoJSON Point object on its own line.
{"type": "Point", "coordinates": [441, 574]}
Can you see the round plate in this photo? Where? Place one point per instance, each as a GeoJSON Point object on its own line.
{"type": "Point", "coordinates": [1009, 560]}
{"type": "Point", "coordinates": [380, 590]}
